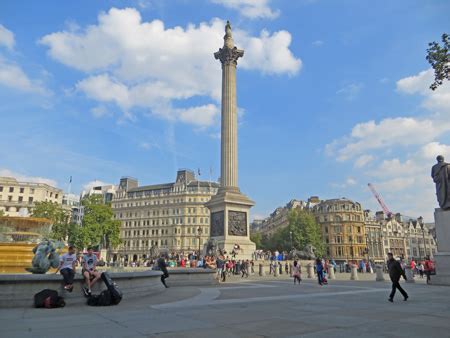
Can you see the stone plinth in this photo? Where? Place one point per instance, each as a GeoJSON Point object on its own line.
{"type": "Point", "coordinates": [442, 257]}
{"type": "Point", "coordinates": [230, 222]}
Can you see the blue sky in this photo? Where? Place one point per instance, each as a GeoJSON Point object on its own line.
{"type": "Point", "coordinates": [331, 94]}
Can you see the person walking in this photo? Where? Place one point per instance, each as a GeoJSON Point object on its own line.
{"type": "Point", "coordinates": [428, 267]}
{"type": "Point", "coordinates": [296, 272]}
{"type": "Point", "coordinates": [319, 271]}
{"type": "Point", "coordinates": [163, 267]}
{"type": "Point", "coordinates": [395, 272]}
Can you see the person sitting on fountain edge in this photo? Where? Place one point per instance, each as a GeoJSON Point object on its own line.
{"type": "Point", "coordinates": [91, 276]}
{"type": "Point", "coordinates": [67, 265]}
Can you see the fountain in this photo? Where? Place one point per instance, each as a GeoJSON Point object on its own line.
{"type": "Point", "coordinates": [18, 237]}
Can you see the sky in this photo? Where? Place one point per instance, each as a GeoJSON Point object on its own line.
{"type": "Point", "coordinates": [332, 95]}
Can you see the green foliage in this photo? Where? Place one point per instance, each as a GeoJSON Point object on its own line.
{"type": "Point", "coordinates": [99, 228]}
{"type": "Point", "coordinates": [60, 218]}
{"type": "Point", "coordinates": [257, 239]}
{"type": "Point", "coordinates": [439, 59]}
{"type": "Point", "coordinates": [2, 213]}
{"type": "Point", "coordinates": [302, 230]}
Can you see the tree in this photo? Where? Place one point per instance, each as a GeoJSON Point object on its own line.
{"type": "Point", "coordinates": [54, 212]}
{"type": "Point", "coordinates": [305, 230]}
{"type": "Point", "coordinates": [99, 228]}
{"type": "Point", "coordinates": [256, 238]}
{"type": "Point", "coordinates": [439, 58]}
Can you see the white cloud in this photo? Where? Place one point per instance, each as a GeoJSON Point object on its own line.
{"type": "Point", "coordinates": [390, 132]}
{"type": "Point", "coordinates": [438, 99]}
{"type": "Point", "coordinates": [363, 160]}
{"type": "Point", "coordinates": [408, 147]}
{"type": "Point", "coordinates": [95, 183]}
{"type": "Point", "coordinates": [253, 9]}
{"type": "Point", "coordinates": [12, 76]}
{"type": "Point", "coordinates": [99, 111]}
{"type": "Point", "coordinates": [350, 91]}
{"type": "Point", "coordinates": [201, 116]}
{"type": "Point", "coordinates": [132, 63]}
{"type": "Point", "coordinates": [433, 149]}
{"type": "Point", "coordinates": [6, 38]}
{"type": "Point", "coordinates": [26, 178]}
{"type": "Point", "coordinates": [318, 43]}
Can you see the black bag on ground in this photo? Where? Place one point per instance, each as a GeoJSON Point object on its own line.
{"type": "Point", "coordinates": [116, 294]}
{"type": "Point", "coordinates": [103, 299]}
{"type": "Point", "coordinates": [49, 299]}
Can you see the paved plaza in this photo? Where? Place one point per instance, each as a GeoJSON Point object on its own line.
{"type": "Point", "coordinates": [252, 308]}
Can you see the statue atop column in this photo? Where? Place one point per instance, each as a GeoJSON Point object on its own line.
{"type": "Point", "coordinates": [441, 177]}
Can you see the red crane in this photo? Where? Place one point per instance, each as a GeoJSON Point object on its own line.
{"type": "Point", "coordinates": [380, 200]}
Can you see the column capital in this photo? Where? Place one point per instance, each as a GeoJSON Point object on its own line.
{"type": "Point", "coordinates": [228, 56]}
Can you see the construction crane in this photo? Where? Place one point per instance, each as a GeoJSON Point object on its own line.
{"type": "Point", "coordinates": [380, 201]}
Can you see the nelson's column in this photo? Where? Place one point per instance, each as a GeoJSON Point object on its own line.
{"type": "Point", "coordinates": [230, 208]}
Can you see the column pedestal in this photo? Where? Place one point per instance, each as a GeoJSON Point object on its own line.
{"type": "Point", "coordinates": [230, 223]}
{"type": "Point", "coordinates": [442, 257]}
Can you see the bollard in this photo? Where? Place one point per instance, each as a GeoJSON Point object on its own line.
{"type": "Point", "coordinates": [409, 275]}
{"type": "Point", "coordinates": [261, 270]}
{"type": "Point", "coordinates": [290, 269]}
{"type": "Point", "coordinates": [275, 268]}
{"type": "Point", "coordinates": [354, 273]}
{"type": "Point", "coordinates": [331, 272]}
{"type": "Point", "coordinates": [310, 270]}
{"type": "Point", "coordinates": [380, 275]}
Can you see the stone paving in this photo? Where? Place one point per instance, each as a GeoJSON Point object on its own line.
{"type": "Point", "coordinates": [254, 307]}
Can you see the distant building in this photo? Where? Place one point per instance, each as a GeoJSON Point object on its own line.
{"type": "Point", "coordinates": [72, 203]}
{"type": "Point", "coordinates": [107, 191]}
{"type": "Point", "coordinates": [169, 216]}
{"type": "Point", "coordinates": [278, 219]}
{"type": "Point", "coordinates": [19, 198]}
{"type": "Point", "coordinates": [343, 230]}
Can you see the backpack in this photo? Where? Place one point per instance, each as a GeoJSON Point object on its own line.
{"type": "Point", "coordinates": [103, 299]}
{"type": "Point", "coordinates": [49, 299]}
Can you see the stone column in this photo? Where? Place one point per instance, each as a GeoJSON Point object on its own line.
{"type": "Point", "coordinates": [310, 270]}
{"type": "Point", "coordinates": [380, 275]}
{"type": "Point", "coordinates": [409, 274]}
{"type": "Point", "coordinates": [261, 269]}
{"type": "Point", "coordinates": [354, 273]}
{"type": "Point", "coordinates": [228, 56]}
{"type": "Point", "coordinates": [331, 271]}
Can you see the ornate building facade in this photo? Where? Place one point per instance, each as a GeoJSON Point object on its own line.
{"type": "Point", "coordinates": [18, 198]}
{"type": "Point", "coordinates": [170, 216]}
{"type": "Point", "coordinates": [343, 230]}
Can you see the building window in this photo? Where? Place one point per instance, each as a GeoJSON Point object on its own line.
{"type": "Point", "coordinates": [9, 198]}
{"type": "Point", "coordinates": [20, 198]}
{"type": "Point", "coordinates": [1, 189]}
{"type": "Point", "coordinates": [22, 190]}
{"type": "Point", "coordinates": [11, 189]}
{"type": "Point", "coordinates": [30, 199]}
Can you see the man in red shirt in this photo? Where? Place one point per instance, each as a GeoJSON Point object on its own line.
{"type": "Point", "coordinates": [428, 267]}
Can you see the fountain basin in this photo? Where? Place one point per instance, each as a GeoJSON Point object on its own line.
{"type": "Point", "coordinates": [18, 290]}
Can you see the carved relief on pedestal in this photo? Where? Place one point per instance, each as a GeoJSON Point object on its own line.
{"type": "Point", "coordinates": [237, 223]}
{"type": "Point", "coordinates": [217, 224]}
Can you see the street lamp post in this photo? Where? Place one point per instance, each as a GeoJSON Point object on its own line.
{"type": "Point", "coordinates": [351, 248]}
{"type": "Point", "coordinates": [422, 226]}
{"type": "Point", "coordinates": [290, 238]}
{"type": "Point", "coordinates": [367, 248]}
{"type": "Point", "coordinates": [199, 231]}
